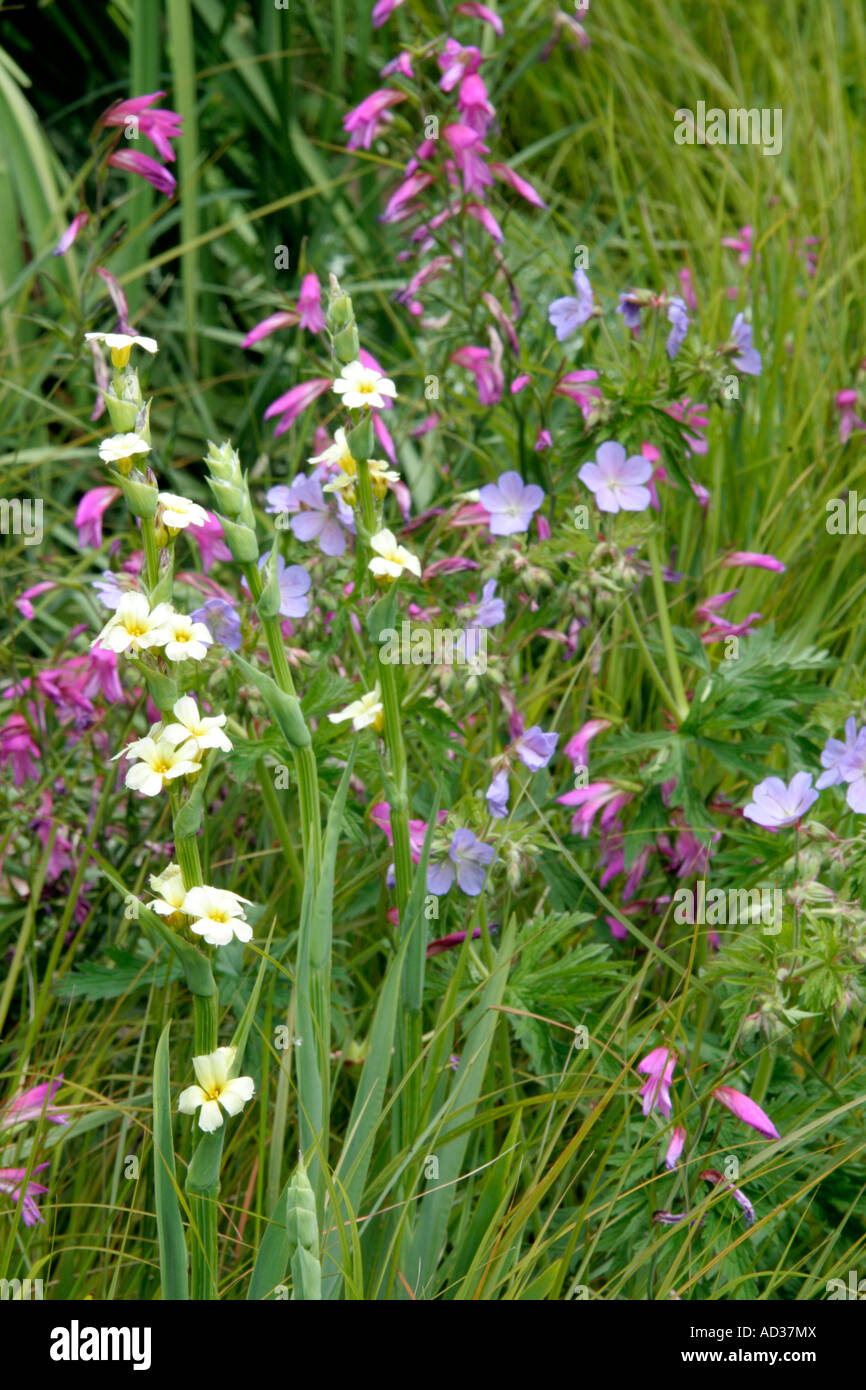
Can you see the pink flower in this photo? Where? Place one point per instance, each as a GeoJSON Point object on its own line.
{"type": "Point", "coordinates": [91, 509]}
{"type": "Point", "coordinates": [160, 127]}
{"type": "Point", "coordinates": [475, 110]}
{"type": "Point", "coordinates": [687, 287]}
{"type": "Point", "coordinates": [31, 1104]}
{"type": "Point", "coordinates": [310, 304]}
{"type": "Point", "coordinates": [79, 221]}
{"type": "Point", "coordinates": [142, 164]}
{"type": "Point", "coordinates": [457, 62]}
{"type": "Point", "coordinates": [295, 401]}
{"type": "Point", "coordinates": [849, 419]}
{"type": "Point", "coordinates": [519, 185]}
{"type": "Point", "coordinates": [17, 746]}
{"type": "Point", "coordinates": [746, 1110]}
{"type": "Point", "coordinates": [483, 13]}
{"type": "Point", "coordinates": [655, 1093]}
{"type": "Point", "coordinates": [23, 604]}
{"type": "Point", "coordinates": [750, 559]}
{"type": "Point", "coordinates": [578, 745]}
{"type": "Point", "coordinates": [285, 318]}
{"type": "Point", "coordinates": [366, 120]}
{"type": "Point", "coordinates": [11, 1180]}
{"type": "Point", "coordinates": [467, 147]}
{"type": "Point", "coordinates": [694, 418]}
{"type": "Point", "coordinates": [712, 1175]}
{"type": "Point", "coordinates": [382, 10]}
{"type": "Point", "coordinates": [675, 1147]}
{"type": "Point", "coordinates": [488, 374]}
{"type": "Point", "coordinates": [447, 943]}
{"type": "Point", "coordinates": [741, 243]}
{"type": "Point", "coordinates": [594, 797]}
{"type": "Point", "coordinates": [572, 385]}
{"type": "Point", "coordinates": [210, 538]}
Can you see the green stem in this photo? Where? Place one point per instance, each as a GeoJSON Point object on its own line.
{"type": "Point", "coordinates": [151, 552]}
{"type": "Point", "coordinates": [681, 704]}
{"type": "Point", "coordinates": [644, 650]}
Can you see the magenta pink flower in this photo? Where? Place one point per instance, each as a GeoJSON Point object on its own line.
{"type": "Point", "coordinates": [447, 943]}
{"type": "Point", "coordinates": [687, 287]}
{"type": "Point", "coordinates": [364, 123]}
{"type": "Point", "coordinates": [675, 1147]}
{"type": "Point", "coordinates": [746, 1110]}
{"type": "Point", "coordinates": [658, 1067]}
{"type": "Point", "coordinates": [310, 304]}
{"type": "Point", "coordinates": [846, 402]}
{"type": "Point", "coordinates": [467, 147]}
{"type": "Point", "coordinates": [483, 13]}
{"type": "Point", "coordinates": [714, 1176]}
{"type": "Point", "coordinates": [17, 747]}
{"type": "Point", "coordinates": [158, 126]}
{"type": "Point", "coordinates": [285, 318]}
{"type": "Point", "coordinates": [473, 105]}
{"type": "Point", "coordinates": [486, 370]}
{"type": "Point", "coordinates": [31, 1105]}
{"type": "Point", "coordinates": [605, 797]}
{"type": "Point", "coordinates": [295, 401]}
{"type": "Point", "coordinates": [750, 559]}
{"type": "Point", "coordinates": [91, 509]}
{"type": "Point", "coordinates": [382, 10]}
{"type": "Point", "coordinates": [573, 385]}
{"type": "Point", "coordinates": [457, 62]}
{"type": "Point", "coordinates": [147, 168]}
{"type": "Point", "coordinates": [12, 1181]}
{"type": "Point", "coordinates": [23, 604]}
{"type": "Point", "coordinates": [79, 221]}
{"type": "Point", "coordinates": [520, 185]}
{"type": "Point", "coordinates": [694, 417]}
{"type": "Point", "coordinates": [578, 745]}
{"type": "Point", "coordinates": [741, 243]}
{"type": "Point", "coordinates": [210, 539]}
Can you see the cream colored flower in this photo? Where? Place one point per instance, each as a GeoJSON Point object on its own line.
{"type": "Point", "coordinates": [135, 626]}
{"type": "Point", "coordinates": [185, 640]}
{"type": "Point", "coordinates": [364, 712]}
{"type": "Point", "coordinates": [118, 448]}
{"type": "Point", "coordinates": [392, 559]}
{"type": "Point", "coordinates": [216, 1088]}
{"type": "Point", "coordinates": [218, 915]}
{"type": "Point", "coordinates": [121, 343]}
{"type": "Point", "coordinates": [204, 730]}
{"type": "Point", "coordinates": [157, 762]}
{"type": "Point", "coordinates": [179, 512]}
{"type": "Point", "coordinates": [338, 452]}
{"type": "Point", "coordinates": [360, 386]}
{"type": "Point", "coordinates": [169, 886]}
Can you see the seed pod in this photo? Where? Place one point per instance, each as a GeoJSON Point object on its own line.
{"type": "Point", "coordinates": [347, 344]}
{"type": "Point", "coordinates": [141, 497]}
{"type": "Point", "coordinates": [303, 1233]}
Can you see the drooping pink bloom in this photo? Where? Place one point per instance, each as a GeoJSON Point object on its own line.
{"type": "Point", "coordinates": [285, 318]}
{"type": "Point", "coordinates": [849, 420]}
{"type": "Point", "coordinates": [18, 747]}
{"type": "Point", "coordinates": [675, 1147]}
{"type": "Point", "coordinates": [364, 123]}
{"type": "Point", "coordinates": [132, 162]}
{"type": "Point", "coordinates": [457, 62]}
{"type": "Point", "coordinates": [573, 385]}
{"type": "Point", "coordinates": [741, 243]}
{"type": "Point", "coordinates": [746, 1110]}
{"type": "Point", "coordinates": [658, 1067]}
{"type": "Point", "coordinates": [605, 797]}
{"type": "Point", "coordinates": [483, 13]}
{"type": "Point", "coordinates": [485, 217]}
{"type": "Point", "coordinates": [23, 603]}
{"type": "Point", "coordinates": [520, 185]}
{"type": "Point", "coordinates": [750, 559]}
{"type": "Point", "coordinates": [447, 943]}
{"type": "Point", "coordinates": [401, 203]}
{"type": "Point", "coordinates": [468, 148]}
{"type": "Point", "coordinates": [578, 745]}
{"type": "Point", "coordinates": [402, 64]}
{"type": "Point", "coordinates": [88, 516]}
{"type": "Point", "coordinates": [489, 380]}
{"type": "Point", "coordinates": [310, 304]}
{"type": "Point", "coordinates": [694, 418]}
{"type": "Point", "coordinates": [473, 105]}
{"type": "Point", "coordinates": [31, 1105]}
{"type": "Point", "coordinates": [12, 1181]}
{"type": "Point", "coordinates": [290, 405]}
{"type": "Point", "coordinates": [712, 1175]}
{"type": "Point", "coordinates": [158, 126]}
{"type": "Point", "coordinates": [382, 10]}
{"type": "Point", "coordinates": [118, 299]}
{"type": "Point", "coordinates": [79, 221]}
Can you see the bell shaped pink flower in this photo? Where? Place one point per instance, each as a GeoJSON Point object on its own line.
{"type": "Point", "coordinates": [746, 1110]}
{"type": "Point", "coordinates": [658, 1067]}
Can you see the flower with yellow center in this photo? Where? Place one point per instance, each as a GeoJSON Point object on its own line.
{"type": "Point", "coordinates": [215, 1089]}
{"type": "Point", "coordinates": [135, 626]}
{"type": "Point", "coordinates": [157, 761]}
{"type": "Point", "coordinates": [362, 386]}
{"type": "Point", "coordinates": [169, 886]}
{"type": "Point", "coordinates": [178, 512]}
{"type": "Point", "coordinates": [123, 450]}
{"type": "Point", "coordinates": [367, 711]}
{"type": "Point", "coordinates": [392, 559]}
{"type": "Point", "coordinates": [338, 453]}
{"type": "Point", "coordinates": [204, 730]}
{"type": "Point", "coordinates": [120, 344]}
{"type": "Point", "coordinates": [218, 915]}
{"type": "Point", "coordinates": [185, 640]}
{"type": "Point", "coordinates": [380, 476]}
